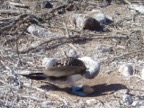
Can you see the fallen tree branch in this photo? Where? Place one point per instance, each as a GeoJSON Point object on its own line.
{"type": "Point", "coordinates": [127, 53]}
{"type": "Point", "coordinates": [15, 12]}
{"type": "Point", "coordinates": [111, 59]}
{"type": "Point", "coordinates": [54, 96]}
{"type": "Point", "coordinates": [18, 5]}
{"type": "Point", "coordinates": [58, 7]}
{"type": "Point", "coordinates": [22, 23]}
{"type": "Point", "coordinates": [70, 40]}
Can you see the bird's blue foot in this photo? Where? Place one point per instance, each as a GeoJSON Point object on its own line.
{"type": "Point", "coordinates": [78, 90]}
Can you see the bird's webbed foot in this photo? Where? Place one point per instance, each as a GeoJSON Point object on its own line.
{"type": "Point", "coordinates": [78, 90]}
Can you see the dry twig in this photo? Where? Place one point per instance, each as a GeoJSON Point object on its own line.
{"type": "Point", "coordinates": [18, 5]}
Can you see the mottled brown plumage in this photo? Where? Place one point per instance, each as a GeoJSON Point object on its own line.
{"type": "Point", "coordinates": [65, 67]}
{"type": "Point", "coordinates": [66, 70]}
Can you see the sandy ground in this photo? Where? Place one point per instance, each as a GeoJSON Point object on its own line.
{"type": "Point", "coordinates": [110, 86]}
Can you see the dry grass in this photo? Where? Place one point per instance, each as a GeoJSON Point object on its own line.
{"type": "Point", "coordinates": [21, 52]}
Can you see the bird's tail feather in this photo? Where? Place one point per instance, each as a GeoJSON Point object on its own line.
{"type": "Point", "coordinates": [35, 76]}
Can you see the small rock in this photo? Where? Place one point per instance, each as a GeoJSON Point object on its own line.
{"type": "Point", "coordinates": [72, 53]}
{"type": "Point", "coordinates": [84, 22]}
{"type": "Point", "coordinates": [104, 49]}
{"type": "Point", "coordinates": [127, 99]}
{"type": "Point", "coordinates": [47, 4]}
{"type": "Point", "coordinates": [142, 74]}
{"type": "Point", "coordinates": [70, 7]}
{"type": "Point", "coordinates": [111, 104]}
{"type": "Point", "coordinates": [88, 90]}
{"type": "Point", "coordinates": [49, 62]}
{"type": "Point", "coordinates": [119, 93]}
{"type": "Point", "coordinates": [123, 91]}
{"type": "Point", "coordinates": [136, 103]}
{"type": "Point", "coordinates": [24, 72]}
{"type": "Point", "coordinates": [46, 104]}
{"type": "Point", "coordinates": [139, 8]}
{"type": "Point", "coordinates": [90, 101]}
{"type": "Point", "coordinates": [61, 11]}
{"type": "Point", "coordinates": [91, 24]}
{"type": "Point", "coordinates": [99, 16]}
{"type": "Point", "coordinates": [43, 4]}
{"type": "Point", "coordinates": [40, 32]}
{"type": "Point", "coordinates": [126, 70]}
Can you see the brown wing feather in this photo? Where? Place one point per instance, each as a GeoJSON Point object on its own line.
{"type": "Point", "coordinates": [66, 67]}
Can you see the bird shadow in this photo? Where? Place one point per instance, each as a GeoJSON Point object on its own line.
{"type": "Point", "coordinates": [104, 89]}
{"type": "Point", "coordinates": [99, 90]}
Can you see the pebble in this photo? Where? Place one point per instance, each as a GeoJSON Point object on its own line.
{"type": "Point", "coordinates": [83, 22]}
{"type": "Point", "coordinates": [136, 103]}
{"type": "Point", "coordinates": [90, 101]}
{"type": "Point", "coordinates": [99, 16]}
{"type": "Point", "coordinates": [139, 8]}
{"type": "Point", "coordinates": [126, 70]}
{"type": "Point", "coordinates": [72, 53]}
{"type": "Point", "coordinates": [40, 32]}
{"type": "Point", "coordinates": [123, 91]}
{"type": "Point", "coordinates": [104, 49]}
{"type": "Point", "coordinates": [48, 62]}
{"type": "Point", "coordinates": [88, 90]}
{"type": "Point", "coordinates": [61, 11]}
{"type": "Point", "coordinates": [71, 7]}
{"type": "Point", "coordinates": [120, 93]}
{"type": "Point", "coordinates": [46, 104]}
{"type": "Point", "coordinates": [142, 74]}
{"type": "Point", "coordinates": [47, 4]}
{"type": "Point", "coordinates": [127, 99]}
{"type": "Point", "coordinates": [24, 72]}
{"type": "Point", "coordinates": [43, 4]}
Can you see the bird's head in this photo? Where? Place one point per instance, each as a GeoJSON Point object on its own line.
{"type": "Point", "coordinates": [49, 62]}
{"type": "Point", "coordinates": [93, 67]}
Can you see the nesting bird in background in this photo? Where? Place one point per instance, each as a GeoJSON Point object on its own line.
{"type": "Point", "coordinates": [67, 70]}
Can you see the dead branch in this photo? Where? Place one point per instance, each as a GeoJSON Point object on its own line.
{"type": "Point", "coordinates": [71, 40]}
{"type": "Point", "coordinates": [111, 59]}
{"type": "Point", "coordinates": [14, 12]}
{"type": "Point", "coordinates": [18, 5]}
{"type": "Point", "coordinates": [43, 91]}
{"type": "Point", "coordinates": [25, 20]}
{"type": "Point", "coordinates": [127, 53]}
{"type": "Point", "coordinates": [58, 7]}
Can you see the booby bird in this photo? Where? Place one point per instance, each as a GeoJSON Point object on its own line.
{"type": "Point", "coordinates": [67, 71]}
{"type": "Point", "coordinates": [56, 69]}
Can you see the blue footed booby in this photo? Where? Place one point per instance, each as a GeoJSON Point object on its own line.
{"type": "Point", "coordinates": [67, 71]}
